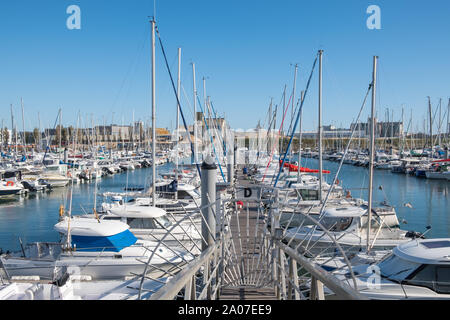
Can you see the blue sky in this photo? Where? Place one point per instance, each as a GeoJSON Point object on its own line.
{"type": "Point", "coordinates": [245, 49]}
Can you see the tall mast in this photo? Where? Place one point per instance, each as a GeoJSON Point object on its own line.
{"type": "Point", "coordinates": [269, 138]}
{"type": "Point", "coordinates": [448, 122]}
{"type": "Point", "coordinates": [293, 95]}
{"type": "Point", "coordinates": [177, 136]}
{"type": "Point", "coordinates": [431, 124]}
{"type": "Point", "coordinates": [195, 114]}
{"type": "Point", "coordinates": [439, 123]}
{"type": "Point", "coordinates": [132, 133]}
{"type": "Point", "coordinates": [205, 104]}
{"type": "Point", "coordinates": [300, 137]}
{"type": "Point", "coordinates": [392, 129]}
{"type": "Point", "coordinates": [23, 128]}
{"type": "Point", "coordinates": [122, 135]}
{"type": "Point", "coordinates": [1, 135]}
{"type": "Point", "coordinates": [372, 149]}
{"type": "Point", "coordinates": [320, 125]}
{"type": "Point", "coordinates": [153, 115]}
{"type": "Point", "coordinates": [402, 136]}
{"type": "Point", "coordinates": [13, 130]}
{"type": "Point", "coordinates": [283, 112]}
{"type": "Point", "coordinates": [59, 151]}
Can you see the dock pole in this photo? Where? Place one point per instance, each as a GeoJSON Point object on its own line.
{"type": "Point", "coordinates": [208, 186]}
{"type": "Point", "coordinates": [230, 167]}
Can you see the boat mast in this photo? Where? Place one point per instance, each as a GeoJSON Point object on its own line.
{"type": "Point", "coordinates": [402, 137]}
{"type": "Point", "coordinates": [302, 94]}
{"type": "Point", "coordinates": [205, 104]}
{"type": "Point", "coordinates": [372, 150]}
{"type": "Point", "coordinates": [153, 115]}
{"type": "Point", "coordinates": [2, 136]}
{"type": "Point", "coordinates": [282, 123]}
{"type": "Point", "coordinates": [293, 98]}
{"type": "Point", "coordinates": [392, 129]}
{"type": "Point", "coordinates": [60, 115]}
{"type": "Point", "coordinates": [195, 114]}
{"type": "Point", "coordinates": [177, 135]}
{"type": "Point", "coordinates": [448, 121]}
{"type": "Point", "coordinates": [431, 124]}
{"type": "Point", "coordinates": [23, 128]}
{"type": "Point", "coordinates": [12, 128]}
{"type": "Point", "coordinates": [439, 123]}
{"type": "Point", "coordinates": [132, 135]}
{"type": "Point", "coordinates": [320, 125]}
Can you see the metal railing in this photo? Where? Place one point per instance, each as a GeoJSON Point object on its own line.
{"type": "Point", "coordinates": [250, 250]}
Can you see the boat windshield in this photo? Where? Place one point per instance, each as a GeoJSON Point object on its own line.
{"type": "Point", "coordinates": [395, 268]}
{"type": "Point", "coordinates": [336, 224]}
{"type": "Point", "coordinates": [309, 194]}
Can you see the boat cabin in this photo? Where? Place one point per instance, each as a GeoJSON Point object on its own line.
{"type": "Point", "coordinates": [423, 263]}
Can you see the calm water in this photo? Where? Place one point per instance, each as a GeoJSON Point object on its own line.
{"type": "Point", "coordinates": [32, 217]}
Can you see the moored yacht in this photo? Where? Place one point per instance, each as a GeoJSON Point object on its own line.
{"type": "Point", "coordinates": [98, 249]}
{"type": "Point", "coordinates": [346, 226]}
{"type": "Point", "coordinates": [418, 269]}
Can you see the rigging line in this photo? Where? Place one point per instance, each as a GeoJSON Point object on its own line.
{"type": "Point", "coordinates": [216, 130]}
{"type": "Point", "coordinates": [346, 151]}
{"type": "Point", "coordinates": [46, 149]}
{"type": "Point", "coordinates": [191, 109]}
{"type": "Point", "coordinates": [290, 125]}
{"type": "Point", "coordinates": [132, 77]}
{"type": "Point", "coordinates": [176, 96]}
{"type": "Point", "coordinates": [278, 138]}
{"type": "Point", "coordinates": [212, 142]}
{"type": "Point", "coordinates": [296, 121]}
{"type": "Point", "coordinates": [281, 132]}
{"type": "Point", "coordinates": [130, 67]}
{"type": "Point", "coordinates": [220, 137]}
{"type": "Point", "coordinates": [295, 111]}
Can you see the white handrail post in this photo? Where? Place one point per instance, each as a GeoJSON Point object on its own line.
{"type": "Point", "coordinates": [316, 289]}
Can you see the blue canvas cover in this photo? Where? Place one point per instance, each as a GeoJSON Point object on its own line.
{"type": "Point", "coordinates": [113, 243]}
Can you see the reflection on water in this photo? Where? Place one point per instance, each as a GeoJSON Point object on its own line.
{"type": "Point", "coordinates": [32, 217]}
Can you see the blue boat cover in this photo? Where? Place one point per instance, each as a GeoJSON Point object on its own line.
{"type": "Point", "coordinates": [113, 243]}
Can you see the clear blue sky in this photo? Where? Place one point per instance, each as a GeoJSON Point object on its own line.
{"type": "Point", "coordinates": [244, 48]}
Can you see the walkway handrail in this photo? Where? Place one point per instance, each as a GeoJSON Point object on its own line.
{"type": "Point", "coordinates": [182, 279]}
{"type": "Point", "coordinates": [341, 289]}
